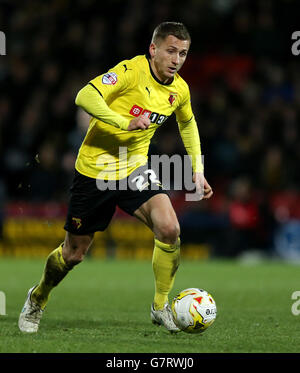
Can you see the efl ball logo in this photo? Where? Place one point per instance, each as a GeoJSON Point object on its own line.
{"type": "Point", "coordinates": [110, 78]}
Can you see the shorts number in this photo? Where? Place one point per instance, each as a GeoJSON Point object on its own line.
{"type": "Point", "coordinates": [139, 180]}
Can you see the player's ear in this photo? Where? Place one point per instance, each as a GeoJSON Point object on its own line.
{"type": "Point", "coordinates": [152, 49]}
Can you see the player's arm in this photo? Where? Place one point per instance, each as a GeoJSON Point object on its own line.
{"type": "Point", "coordinates": [191, 140]}
{"type": "Point", "coordinates": [190, 136]}
{"type": "Point", "coordinates": [93, 98]}
{"type": "Point", "coordinates": [90, 100]}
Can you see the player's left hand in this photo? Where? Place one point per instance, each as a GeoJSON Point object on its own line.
{"type": "Point", "coordinates": [202, 186]}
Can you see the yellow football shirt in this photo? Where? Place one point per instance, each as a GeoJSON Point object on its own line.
{"type": "Point", "coordinates": [131, 89]}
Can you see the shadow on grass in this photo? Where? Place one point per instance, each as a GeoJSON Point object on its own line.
{"type": "Point", "coordinates": [106, 326]}
{"type": "Point", "coordinates": [88, 324]}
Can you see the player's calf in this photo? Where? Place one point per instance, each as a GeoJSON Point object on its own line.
{"type": "Point", "coordinates": [75, 248]}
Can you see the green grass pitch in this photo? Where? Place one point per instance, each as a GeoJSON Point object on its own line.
{"type": "Point", "coordinates": [103, 306]}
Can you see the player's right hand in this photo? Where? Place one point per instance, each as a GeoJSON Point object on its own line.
{"type": "Point", "coordinates": [140, 122]}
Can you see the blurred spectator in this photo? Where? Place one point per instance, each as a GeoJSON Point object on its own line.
{"type": "Point", "coordinates": [44, 179]}
{"type": "Point", "coordinates": [251, 226]}
{"type": "Point", "coordinates": [77, 134]}
{"type": "Point", "coordinates": [273, 170]}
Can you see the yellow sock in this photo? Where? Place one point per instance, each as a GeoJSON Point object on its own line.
{"type": "Point", "coordinates": [165, 262]}
{"type": "Point", "coordinates": [55, 270]}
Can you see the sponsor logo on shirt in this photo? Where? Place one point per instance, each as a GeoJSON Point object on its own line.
{"type": "Point", "coordinates": [110, 78]}
{"type": "Point", "coordinates": [154, 117]}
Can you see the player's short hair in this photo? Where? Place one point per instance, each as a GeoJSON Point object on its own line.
{"type": "Point", "coordinates": [165, 29]}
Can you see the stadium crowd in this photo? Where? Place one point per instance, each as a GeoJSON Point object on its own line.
{"type": "Point", "coordinates": [245, 87]}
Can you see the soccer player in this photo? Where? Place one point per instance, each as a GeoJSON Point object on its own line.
{"type": "Point", "coordinates": [127, 104]}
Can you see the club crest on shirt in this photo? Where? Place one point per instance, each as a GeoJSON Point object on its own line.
{"type": "Point", "coordinates": [110, 78]}
{"type": "Point", "coordinates": [172, 97]}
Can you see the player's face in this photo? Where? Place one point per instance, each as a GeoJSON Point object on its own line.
{"type": "Point", "coordinates": [168, 56]}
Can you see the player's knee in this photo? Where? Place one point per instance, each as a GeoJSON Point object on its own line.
{"type": "Point", "coordinates": [74, 258]}
{"type": "Point", "coordinates": [169, 232]}
{"type": "Point", "coordinates": [73, 255]}
{"type": "Point", "coordinates": [75, 249]}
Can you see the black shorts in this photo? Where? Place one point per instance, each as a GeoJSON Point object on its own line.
{"type": "Point", "coordinates": [91, 207]}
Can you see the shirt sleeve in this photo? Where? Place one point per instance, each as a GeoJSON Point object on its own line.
{"type": "Point", "coordinates": [90, 100]}
{"type": "Point", "coordinates": [111, 84]}
{"type": "Point", "coordinates": [101, 91]}
{"type": "Point", "coordinates": [189, 133]}
{"type": "Point", "coordinates": [184, 112]}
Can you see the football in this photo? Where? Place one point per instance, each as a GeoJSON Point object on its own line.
{"type": "Point", "coordinates": [194, 310]}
